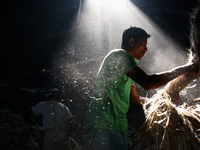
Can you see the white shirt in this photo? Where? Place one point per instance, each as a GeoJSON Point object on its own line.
{"type": "Point", "coordinates": [54, 113]}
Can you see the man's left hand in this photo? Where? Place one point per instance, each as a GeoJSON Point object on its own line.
{"type": "Point", "coordinates": [174, 96]}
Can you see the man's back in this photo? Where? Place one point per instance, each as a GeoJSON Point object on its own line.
{"type": "Point", "coordinates": [54, 113]}
{"type": "Point", "coordinates": [55, 120]}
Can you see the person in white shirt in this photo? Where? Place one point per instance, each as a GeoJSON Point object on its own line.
{"type": "Point", "coordinates": [57, 121]}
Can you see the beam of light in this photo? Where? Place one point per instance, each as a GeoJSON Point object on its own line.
{"type": "Point", "coordinates": [105, 25]}
{"type": "Point", "coordinates": [99, 30]}
{"type": "Point", "coordinates": [111, 4]}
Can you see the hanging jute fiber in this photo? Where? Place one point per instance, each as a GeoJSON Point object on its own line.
{"type": "Point", "coordinates": [168, 126]}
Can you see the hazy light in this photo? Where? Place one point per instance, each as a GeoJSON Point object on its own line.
{"type": "Point", "coordinates": [99, 30]}
{"type": "Point", "coordinates": [112, 23]}
{"type": "Point", "coordinates": [112, 4]}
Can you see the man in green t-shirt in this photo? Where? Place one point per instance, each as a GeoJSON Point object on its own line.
{"type": "Point", "coordinates": [114, 89]}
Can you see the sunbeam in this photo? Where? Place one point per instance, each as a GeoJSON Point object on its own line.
{"type": "Point", "coordinates": [99, 29]}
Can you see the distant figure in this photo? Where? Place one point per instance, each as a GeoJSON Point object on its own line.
{"type": "Point", "coordinates": [57, 121]}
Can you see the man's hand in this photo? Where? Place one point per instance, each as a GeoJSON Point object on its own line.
{"type": "Point", "coordinates": [174, 96]}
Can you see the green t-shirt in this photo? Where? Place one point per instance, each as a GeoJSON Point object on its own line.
{"type": "Point", "coordinates": [111, 93]}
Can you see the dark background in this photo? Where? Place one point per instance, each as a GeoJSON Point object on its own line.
{"type": "Point", "coordinates": [43, 45]}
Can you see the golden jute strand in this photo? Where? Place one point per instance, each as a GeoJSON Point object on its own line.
{"type": "Point", "coordinates": [168, 126]}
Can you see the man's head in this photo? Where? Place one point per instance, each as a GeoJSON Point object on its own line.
{"type": "Point", "coordinates": [55, 94]}
{"type": "Point", "coordinates": [132, 32]}
{"type": "Point", "coordinates": [134, 41]}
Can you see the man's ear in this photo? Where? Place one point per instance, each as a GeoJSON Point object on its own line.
{"type": "Point", "coordinates": [132, 42]}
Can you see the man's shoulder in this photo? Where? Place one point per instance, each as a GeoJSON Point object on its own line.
{"type": "Point", "coordinates": [61, 104]}
{"type": "Point", "coordinates": [116, 53]}
{"type": "Point", "coordinates": [47, 102]}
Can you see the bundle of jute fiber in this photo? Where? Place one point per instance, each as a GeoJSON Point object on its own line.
{"type": "Point", "coordinates": [168, 126]}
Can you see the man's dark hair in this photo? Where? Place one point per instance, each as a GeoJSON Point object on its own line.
{"type": "Point", "coordinates": [133, 32]}
{"type": "Point", "coordinates": [55, 94]}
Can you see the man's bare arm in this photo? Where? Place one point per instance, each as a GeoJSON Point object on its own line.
{"type": "Point", "coordinates": [151, 82]}
{"type": "Point", "coordinates": [139, 100]}
{"type": "Point", "coordinates": [71, 126]}
{"type": "Point", "coordinates": [136, 98]}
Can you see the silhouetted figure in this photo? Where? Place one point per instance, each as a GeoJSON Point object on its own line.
{"type": "Point", "coordinates": [115, 88]}
{"type": "Point", "coordinates": [57, 121]}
